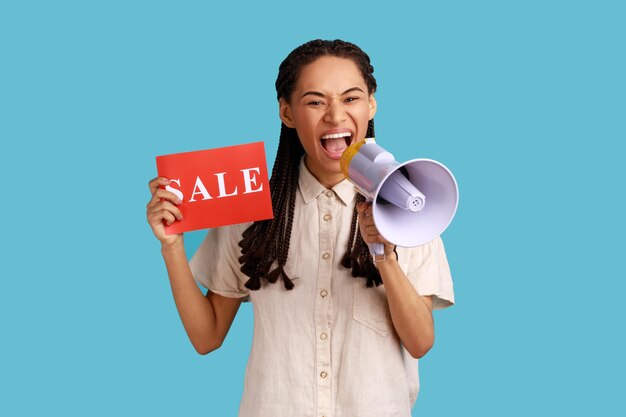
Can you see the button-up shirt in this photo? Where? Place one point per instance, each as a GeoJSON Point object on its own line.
{"type": "Point", "coordinates": [326, 348]}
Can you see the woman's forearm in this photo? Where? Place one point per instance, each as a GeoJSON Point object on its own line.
{"type": "Point", "coordinates": [411, 313]}
{"type": "Point", "coordinates": [195, 310]}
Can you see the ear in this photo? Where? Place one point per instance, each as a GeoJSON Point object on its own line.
{"type": "Point", "coordinates": [372, 103]}
{"type": "Point", "coordinates": [284, 111]}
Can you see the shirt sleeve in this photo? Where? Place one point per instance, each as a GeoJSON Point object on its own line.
{"type": "Point", "coordinates": [216, 265]}
{"type": "Point", "coordinates": [427, 269]}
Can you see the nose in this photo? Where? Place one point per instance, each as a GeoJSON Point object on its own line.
{"type": "Point", "coordinates": [335, 114]}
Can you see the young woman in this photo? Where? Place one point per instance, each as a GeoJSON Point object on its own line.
{"type": "Point", "coordinates": [329, 339]}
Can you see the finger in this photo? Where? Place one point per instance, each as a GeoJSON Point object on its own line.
{"type": "Point", "coordinates": [362, 206]}
{"type": "Point", "coordinates": [161, 216]}
{"type": "Point", "coordinates": [380, 239]}
{"type": "Point", "coordinates": [367, 217]}
{"type": "Point", "coordinates": [167, 195]}
{"type": "Point", "coordinates": [374, 238]}
{"type": "Point", "coordinates": [367, 223]}
{"type": "Point", "coordinates": [371, 237]}
{"type": "Point", "coordinates": [367, 232]}
{"type": "Point", "coordinates": [371, 229]}
{"type": "Point", "coordinates": [168, 217]}
{"type": "Point", "coordinates": [154, 183]}
{"type": "Point", "coordinates": [166, 205]}
{"type": "Point", "coordinates": [367, 238]}
{"type": "Point", "coordinates": [156, 212]}
{"type": "Point", "coordinates": [368, 214]}
{"type": "Point", "coordinates": [161, 194]}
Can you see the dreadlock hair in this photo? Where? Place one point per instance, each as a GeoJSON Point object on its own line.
{"type": "Point", "coordinates": [267, 241]}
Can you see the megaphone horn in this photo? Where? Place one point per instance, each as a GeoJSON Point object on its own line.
{"type": "Point", "coordinates": [412, 202]}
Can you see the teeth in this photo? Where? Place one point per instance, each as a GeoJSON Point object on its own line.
{"type": "Point", "coordinates": [337, 135]}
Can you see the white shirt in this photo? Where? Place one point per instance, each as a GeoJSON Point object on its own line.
{"type": "Point", "coordinates": [327, 348]}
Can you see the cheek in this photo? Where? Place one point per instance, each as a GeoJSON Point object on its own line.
{"type": "Point", "coordinates": [305, 125]}
{"type": "Point", "coordinates": [362, 116]}
{"type": "Point", "coordinates": [304, 121]}
{"type": "Point", "coordinates": [307, 137]}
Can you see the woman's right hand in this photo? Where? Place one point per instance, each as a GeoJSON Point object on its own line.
{"type": "Point", "coordinates": [162, 210]}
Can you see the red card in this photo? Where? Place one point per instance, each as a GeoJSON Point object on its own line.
{"type": "Point", "coordinates": [218, 186]}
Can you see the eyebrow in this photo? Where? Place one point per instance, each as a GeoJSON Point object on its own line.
{"type": "Point", "coordinates": [318, 94]}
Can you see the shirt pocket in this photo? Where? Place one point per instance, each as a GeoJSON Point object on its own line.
{"type": "Point", "coordinates": [370, 307]}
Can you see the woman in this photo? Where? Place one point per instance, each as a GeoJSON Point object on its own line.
{"type": "Point", "coordinates": [325, 343]}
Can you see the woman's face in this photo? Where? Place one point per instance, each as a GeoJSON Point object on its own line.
{"type": "Point", "coordinates": [330, 109]}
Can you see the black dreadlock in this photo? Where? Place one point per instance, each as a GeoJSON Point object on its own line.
{"type": "Point", "coordinates": [267, 241]}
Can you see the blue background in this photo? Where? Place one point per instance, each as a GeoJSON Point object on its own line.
{"type": "Point", "coordinates": [524, 101]}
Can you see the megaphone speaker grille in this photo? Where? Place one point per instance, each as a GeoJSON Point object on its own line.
{"type": "Point", "coordinates": [408, 228]}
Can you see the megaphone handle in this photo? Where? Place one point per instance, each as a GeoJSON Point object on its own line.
{"type": "Point", "coordinates": [376, 248]}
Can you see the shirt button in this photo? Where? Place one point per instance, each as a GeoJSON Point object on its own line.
{"type": "Point", "coordinates": [326, 255]}
{"type": "Point", "coordinates": [327, 217]}
{"type": "Point", "coordinates": [323, 374]}
{"type": "Point", "coordinates": [323, 293]}
{"type": "Point", "coordinates": [323, 336]}
{"type": "Point", "coordinates": [329, 193]}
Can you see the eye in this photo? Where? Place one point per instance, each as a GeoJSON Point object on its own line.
{"type": "Point", "coordinates": [351, 99]}
{"type": "Point", "coordinates": [315, 103]}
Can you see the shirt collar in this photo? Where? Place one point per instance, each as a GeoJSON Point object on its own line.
{"type": "Point", "coordinates": [310, 188]}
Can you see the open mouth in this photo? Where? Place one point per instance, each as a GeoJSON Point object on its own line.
{"type": "Point", "coordinates": [335, 143]}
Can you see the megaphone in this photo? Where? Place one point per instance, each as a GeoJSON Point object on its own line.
{"type": "Point", "coordinates": [412, 202]}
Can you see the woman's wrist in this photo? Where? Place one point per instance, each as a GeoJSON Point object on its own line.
{"type": "Point", "coordinates": [172, 246]}
{"type": "Point", "coordinates": [389, 254]}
